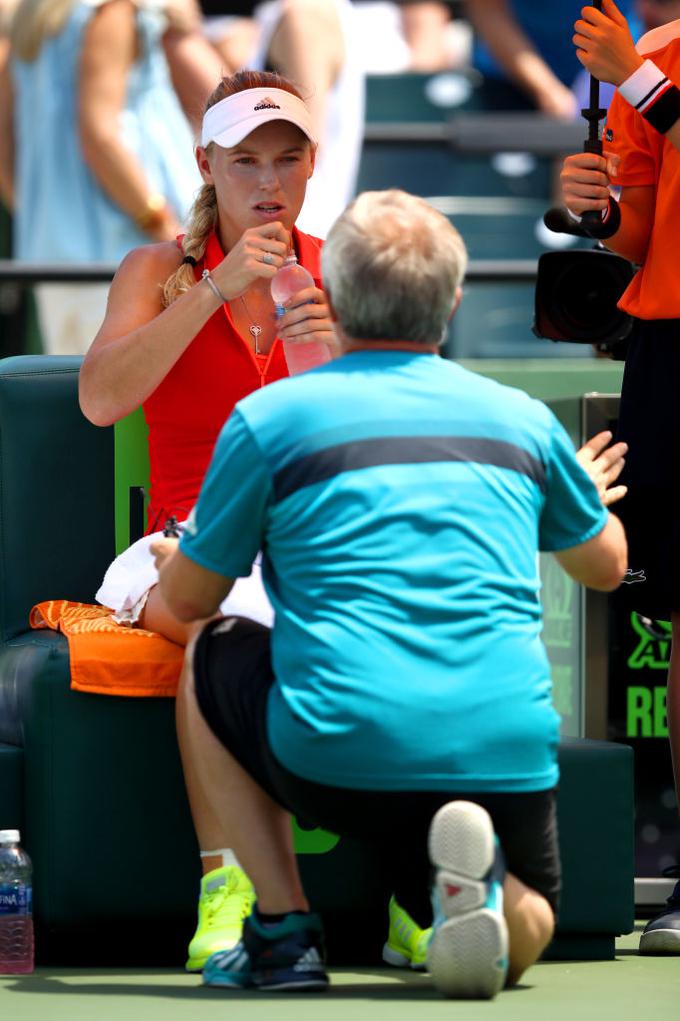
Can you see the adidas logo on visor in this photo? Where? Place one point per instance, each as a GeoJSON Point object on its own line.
{"type": "Point", "coordinates": [267, 104]}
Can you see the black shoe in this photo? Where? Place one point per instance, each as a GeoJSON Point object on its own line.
{"type": "Point", "coordinates": [662, 934]}
{"type": "Point", "coordinates": [282, 957]}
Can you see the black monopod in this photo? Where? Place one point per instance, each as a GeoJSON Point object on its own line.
{"type": "Point", "coordinates": [577, 292]}
{"type": "Point", "coordinates": [591, 224]}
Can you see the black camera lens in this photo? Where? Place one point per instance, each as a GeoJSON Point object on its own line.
{"type": "Point", "coordinates": [584, 301]}
{"type": "Point", "coordinates": [577, 295]}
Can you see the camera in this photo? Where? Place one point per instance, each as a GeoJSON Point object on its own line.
{"type": "Point", "coordinates": [576, 299]}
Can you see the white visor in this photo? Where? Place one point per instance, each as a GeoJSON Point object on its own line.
{"type": "Point", "coordinates": [228, 122]}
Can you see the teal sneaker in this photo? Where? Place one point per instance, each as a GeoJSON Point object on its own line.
{"type": "Point", "coordinates": [407, 943]}
{"type": "Point", "coordinates": [285, 957]}
{"type": "Point", "coordinates": [468, 953]}
{"type": "Point", "coordinates": [225, 900]}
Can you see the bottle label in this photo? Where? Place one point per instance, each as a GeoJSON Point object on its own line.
{"type": "Point", "coordinates": [15, 900]}
{"type": "Point", "coordinates": [280, 310]}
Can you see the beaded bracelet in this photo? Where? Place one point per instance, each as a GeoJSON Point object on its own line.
{"type": "Point", "coordinates": [653, 95]}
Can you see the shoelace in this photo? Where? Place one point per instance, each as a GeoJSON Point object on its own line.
{"type": "Point", "coordinates": [224, 906]}
{"type": "Point", "coordinates": [673, 872]}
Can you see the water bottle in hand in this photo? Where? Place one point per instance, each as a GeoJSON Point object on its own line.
{"type": "Point", "coordinates": [300, 355]}
{"type": "Point", "coordinates": [16, 906]}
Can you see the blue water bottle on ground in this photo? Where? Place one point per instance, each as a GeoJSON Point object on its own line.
{"type": "Point", "coordinates": [16, 906]}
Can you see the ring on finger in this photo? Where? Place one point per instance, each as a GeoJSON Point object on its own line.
{"type": "Point", "coordinates": [268, 258]}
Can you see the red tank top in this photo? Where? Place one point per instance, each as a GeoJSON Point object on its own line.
{"type": "Point", "coordinates": [186, 412]}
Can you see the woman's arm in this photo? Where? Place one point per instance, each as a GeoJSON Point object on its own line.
{"type": "Point", "coordinates": [495, 24]}
{"type": "Point", "coordinates": [6, 136]}
{"type": "Point", "coordinates": [308, 47]}
{"type": "Point", "coordinates": [194, 65]}
{"type": "Point", "coordinates": [109, 51]}
{"type": "Point", "coordinates": [140, 341]}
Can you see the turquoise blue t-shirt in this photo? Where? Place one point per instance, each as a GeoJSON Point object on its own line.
{"type": "Point", "coordinates": [399, 502]}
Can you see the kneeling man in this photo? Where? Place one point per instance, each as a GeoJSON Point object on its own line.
{"type": "Point", "coordinates": [404, 694]}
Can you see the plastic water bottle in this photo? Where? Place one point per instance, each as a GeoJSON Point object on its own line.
{"type": "Point", "coordinates": [16, 906]}
{"type": "Point", "coordinates": [299, 355]}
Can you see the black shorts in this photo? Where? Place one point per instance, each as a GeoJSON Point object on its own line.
{"type": "Point", "coordinates": [649, 422]}
{"type": "Point", "coordinates": [233, 676]}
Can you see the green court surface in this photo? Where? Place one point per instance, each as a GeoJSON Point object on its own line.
{"type": "Point", "coordinates": [630, 986]}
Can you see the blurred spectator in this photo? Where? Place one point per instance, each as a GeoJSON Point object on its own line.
{"type": "Point", "coordinates": [6, 12]}
{"type": "Point", "coordinates": [425, 36]}
{"type": "Point", "coordinates": [655, 13]}
{"type": "Point", "coordinates": [524, 50]}
{"type": "Point", "coordinates": [231, 29]}
{"type": "Point", "coordinates": [111, 165]}
{"type": "Point", "coordinates": [195, 66]}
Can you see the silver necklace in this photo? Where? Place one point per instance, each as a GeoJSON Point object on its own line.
{"type": "Point", "coordinates": [254, 329]}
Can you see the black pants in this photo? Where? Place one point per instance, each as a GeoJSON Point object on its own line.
{"type": "Point", "coordinates": [233, 673]}
{"type": "Point", "coordinates": [649, 422]}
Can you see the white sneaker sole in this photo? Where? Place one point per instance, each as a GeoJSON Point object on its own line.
{"type": "Point", "coordinates": [397, 960]}
{"type": "Point", "coordinates": [467, 956]}
{"type": "Point", "coordinates": [660, 941]}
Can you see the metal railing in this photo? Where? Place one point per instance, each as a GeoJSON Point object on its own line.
{"type": "Point", "coordinates": [485, 133]}
{"type": "Point", "coordinates": [485, 271]}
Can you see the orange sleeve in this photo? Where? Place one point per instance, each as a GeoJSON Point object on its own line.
{"type": "Point", "coordinates": [637, 143]}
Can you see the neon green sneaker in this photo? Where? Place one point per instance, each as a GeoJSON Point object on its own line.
{"type": "Point", "coordinates": [407, 943]}
{"type": "Point", "coordinates": [226, 898]}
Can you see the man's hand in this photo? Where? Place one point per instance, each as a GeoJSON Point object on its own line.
{"type": "Point", "coordinates": [163, 549]}
{"type": "Point", "coordinates": [604, 465]}
{"type": "Point", "coordinates": [604, 44]}
{"type": "Point", "coordinates": [585, 180]}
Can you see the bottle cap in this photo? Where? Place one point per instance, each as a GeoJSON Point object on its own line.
{"type": "Point", "coordinates": [9, 837]}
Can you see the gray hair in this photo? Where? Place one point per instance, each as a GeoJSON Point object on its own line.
{"type": "Point", "coordinates": [392, 265]}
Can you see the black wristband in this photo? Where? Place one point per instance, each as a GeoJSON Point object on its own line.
{"type": "Point", "coordinates": [663, 113]}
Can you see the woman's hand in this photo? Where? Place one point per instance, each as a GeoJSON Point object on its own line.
{"type": "Point", "coordinates": [585, 180]}
{"type": "Point", "coordinates": [259, 252]}
{"type": "Point", "coordinates": [307, 318]}
{"type": "Point", "coordinates": [604, 44]}
{"type": "Point", "coordinates": [604, 465]}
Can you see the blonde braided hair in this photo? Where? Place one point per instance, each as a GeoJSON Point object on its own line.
{"type": "Point", "coordinates": [202, 222]}
{"type": "Point", "coordinates": [203, 215]}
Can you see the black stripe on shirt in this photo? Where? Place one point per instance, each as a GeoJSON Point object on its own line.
{"type": "Point", "coordinates": [664, 81]}
{"type": "Point", "coordinates": [371, 453]}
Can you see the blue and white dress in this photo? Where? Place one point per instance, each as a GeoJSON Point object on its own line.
{"type": "Point", "coordinates": [62, 213]}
